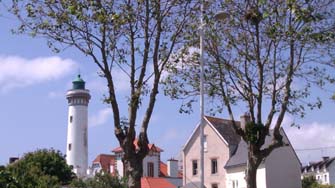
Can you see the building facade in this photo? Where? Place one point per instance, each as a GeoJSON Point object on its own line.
{"type": "Point", "coordinates": [323, 171]}
{"type": "Point", "coordinates": [226, 155]}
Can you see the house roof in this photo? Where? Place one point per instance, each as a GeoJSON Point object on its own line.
{"type": "Point", "coordinates": [152, 147]}
{"type": "Point", "coordinates": [225, 129]}
{"type": "Point", "coordinates": [105, 161]}
{"type": "Point", "coordinates": [319, 164]}
{"type": "Point", "coordinates": [239, 158]}
{"type": "Point", "coordinates": [150, 182]}
{"type": "Point", "coordinates": [163, 172]}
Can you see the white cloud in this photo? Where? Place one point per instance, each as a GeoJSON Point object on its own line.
{"type": "Point", "coordinates": [100, 118]}
{"type": "Point", "coordinates": [312, 141]}
{"type": "Point", "coordinates": [55, 94]}
{"type": "Point", "coordinates": [18, 72]}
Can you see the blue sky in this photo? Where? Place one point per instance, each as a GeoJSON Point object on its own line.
{"type": "Point", "coordinates": [33, 107]}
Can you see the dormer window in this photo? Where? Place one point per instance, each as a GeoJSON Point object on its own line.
{"type": "Point", "coordinates": [151, 169]}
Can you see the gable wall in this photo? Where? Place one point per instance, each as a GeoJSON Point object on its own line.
{"type": "Point", "coordinates": [237, 174]}
{"type": "Point", "coordinates": [216, 148]}
{"type": "Point", "coordinates": [152, 157]}
{"type": "Point", "coordinates": [331, 170]}
{"type": "Point", "coordinates": [283, 168]}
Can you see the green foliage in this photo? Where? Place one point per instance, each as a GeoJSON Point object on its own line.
{"type": "Point", "coordinates": [40, 169]}
{"type": "Point", "coordinates": [311, 182]}
{"type": "Point", "coordinates": [6, 179]}
{"type": "Point", "coordinates": [100, 180]}
{"type": "Point", "coordinates": [248, 56]}
{"type": "Point", "coordinates": [252, 131]}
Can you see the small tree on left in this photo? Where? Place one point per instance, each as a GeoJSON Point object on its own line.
{"type": "Point", "coordinates": [39, 169]}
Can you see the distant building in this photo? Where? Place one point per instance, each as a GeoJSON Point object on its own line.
{"type": "Point", "coordinates": [226, 155]}
{"type": "Point", "coordinates": [13, 159]}
{"type": "Point", "coordinates": [323, 171]}
{"type": "Point", "coordinates": [156, 174]}
{"type": "Point", "coordinates": [104, 163]}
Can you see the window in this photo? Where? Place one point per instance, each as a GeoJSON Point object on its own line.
{"type": "Point", "coordinates": [215, 185]}
{"type": "Point", "coordinates": [235, 184]}
{"type": "Point", "coordinates": [214, 166]}
{"type": "Point", "coordinates": [85, 138]}
{"type": "Point", "coordinates": [151, 169]}
{"type": "Point", "coordinates": [205, 143]}
{"type": "Point", "coordinates": [325, 177]}
{"type": "Point", "coordinates": [194, 167]}
{"type": "Point", "coordinates": [71, 118]}
{"type": "Point", "coordinates": [96, 165]}
{"type": "Point", "coordinates": [70, 147]}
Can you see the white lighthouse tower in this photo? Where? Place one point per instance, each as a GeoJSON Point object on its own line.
{"type": "Point", "coordinates": [77, 150]}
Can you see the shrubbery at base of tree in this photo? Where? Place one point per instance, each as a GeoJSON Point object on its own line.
{"type": "Point", "coordinates": [311, 182]}
{"type": "Point", "coordinates": [100, 180]}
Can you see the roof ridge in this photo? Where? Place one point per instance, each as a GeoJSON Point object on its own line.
{"type": "Point", "coordinates": [222, 119]}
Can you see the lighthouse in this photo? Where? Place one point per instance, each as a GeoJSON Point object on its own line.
{"type": "Point", "coordinates": [77, 150]}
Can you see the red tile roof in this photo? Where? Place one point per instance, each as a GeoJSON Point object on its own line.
{"type": "Point", "coordinates": [150, 182]}
{"type": "Point", "coordinates": [163, 170]}
{"type": "Point", "coordinates": [105, 161]}
{"type": "Point", "coordinates": [152, 147]}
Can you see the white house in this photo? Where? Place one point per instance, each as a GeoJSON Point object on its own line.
{"type": "Point", "coordinates": [323, 171]}
{"type": "Point", "coordinates": [226, 155]}
{"type": "Point", "coordinates": [104, 163]}
{"type": "Point", "coordinates": [151, 163]}
{"type": "Point", "coordinates": [156, 174]}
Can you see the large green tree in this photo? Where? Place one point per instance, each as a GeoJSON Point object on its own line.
{"type": "Point", "coordinates": [265, 58]}
{"type": "Point", "coordinates": [39, 169]}
{"type": "Point", "coordinates": [128, 36]}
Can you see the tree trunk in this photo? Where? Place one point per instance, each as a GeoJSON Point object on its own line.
{"type": "Point", "coordinates": [133, 171]}
{"type": "Point", "coordinates": [251, 175]}
{"type": "Point", "coordinates": [252, 166]}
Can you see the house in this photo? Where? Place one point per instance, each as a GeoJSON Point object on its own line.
{"type": "Point", "coordinates": [323, 171]}
{"type": "Point", "coordinates": [104, 163]}
{"type": "Point", "coordinates": [156, 174]}
{"type": "Point", "coordinates": [226, 155]}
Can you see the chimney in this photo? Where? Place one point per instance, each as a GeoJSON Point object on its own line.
{"type": "Point", "coordinates": [324, 158]}
{"type": "Point", "coordinates": [172, 168]}
{"type": "Point", "coordinates": [244, 119]}
{"type": "Point", "coordinates": [13, 159]}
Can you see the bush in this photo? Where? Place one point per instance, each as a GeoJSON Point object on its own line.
{"type": "Point", "coordinates": [311, 182]}
{"type": "Point", "coordinates": [100, 180]}
{"type": "Point", "coordinates": [41, 169]}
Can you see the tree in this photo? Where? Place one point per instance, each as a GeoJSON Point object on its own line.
{"type": "Point", "coordinates": [6, 179]}
{"type": "Point", "coordinates": [40, 169]}
{"type": "Point", "coordinates": [266, 58]}
{"type": "Point", "coordinates": [133, 37]}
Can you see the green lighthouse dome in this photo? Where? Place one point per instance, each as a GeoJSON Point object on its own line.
{"type": "Point", "coordinates": [78, 83]}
